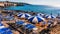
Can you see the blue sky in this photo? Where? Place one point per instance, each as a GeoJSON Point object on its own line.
{"type": "Point", "coordinates": [55, 3]}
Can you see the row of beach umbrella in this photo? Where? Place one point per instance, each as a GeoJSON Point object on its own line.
{"type": "Point", "coordinates": [38, 18]}
{"type": "Point", "coordinates": [26, 15]}
{"type": "Point", "coordinates": [33, 19]}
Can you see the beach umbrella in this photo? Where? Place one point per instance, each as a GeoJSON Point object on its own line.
{"type": "Point", "coordinates": [50, 16]}
{"type": "Point", "coordinates": [24, 15]}
{"type": "Point", "coordinates": [40, 14]}
{"type": "Point", "coordinates": [35, 19]}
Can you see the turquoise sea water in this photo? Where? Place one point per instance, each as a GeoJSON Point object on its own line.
{"type": "Point", "coordinates": [36, 8]}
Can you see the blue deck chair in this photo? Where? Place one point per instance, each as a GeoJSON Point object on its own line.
{"type": "Point", "coordinates": [20, 22]}
{"type": "Point", "coordinates": [9, 32]}
{"type": "Point", "coordinates": [5, 31]}
{"type": "Point", "coordinates": [1, 31]}
{"type": "Point", "coordinates": [31, 27]}
{"type": "Point", "coordinates": [27, 26]}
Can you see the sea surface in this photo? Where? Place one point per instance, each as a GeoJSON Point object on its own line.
{"type": "Point", "coordinates": [36, 8]}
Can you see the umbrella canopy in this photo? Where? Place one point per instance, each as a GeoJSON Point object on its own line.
{"type": "Point", "coordinates": [35, 19]}
{"type": "Point", "coordinates": [50, 16]}
{"type": "Point", "coordinates": [23, 15]}
{"type": "Point", "coordinates": [40, 14]}
{"type": "Point", "coordinates": [29, 26]}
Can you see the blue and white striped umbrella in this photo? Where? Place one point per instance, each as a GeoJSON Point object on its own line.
{"type": "Point", "coordinates": [40, 14]}
{"type": "Point", "coordinates": [50, 16]}
{"type": "Point", "coordinates": [24, 15]}
{"type": "Point", "coordinates": [35, 19]}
